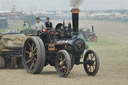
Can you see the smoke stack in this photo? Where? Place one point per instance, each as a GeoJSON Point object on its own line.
{"type": "Point", "coordinates": [75, 19]}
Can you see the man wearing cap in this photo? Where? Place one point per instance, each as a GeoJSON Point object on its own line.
{"type": "Point", "coordinates": [48, 24]}
{"type": "Point", "coordinates": [39, 26]}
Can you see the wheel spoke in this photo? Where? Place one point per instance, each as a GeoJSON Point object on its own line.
{"type": "Point", "coordinates": [35, 59]}
{"type": "Point", "coordinates": [94, 64]}
{"type": "Point", "coordinates": [34, 49]}
{"type": "Point", "coordinates": [89, 57]}
{"type": "Point", "coordinates": [61, 64]}
{"type": "Point", "coordinates": [27, 52]}
{"type": "Point", "coordinates": [30, 55]}
{"type": "Point", "coordinates": [92, 56]}
{"type": "Point", "coordinates": [32, 65]}
{"type": "Point", "coordinates": [61, 68]}
{"type": "Point", "coordinates": [64, 68]}
{"type": "Point", "coordinates": [89, 68]}
{"type": "Point", "coordinates": [35, 54]}
{"type": "Point", "coordinates": [64, 60]}
{"type": "Point", "coordinates": [61, 58]}
{"type": "Point", "coordinates": [58, 58]}
{"type": "Point", "coordinates": [94, 59]}
{"type": "Point", "coordinates": [28, 60]}
{"type": "Point", "coordinates": [93, 67]}
{"type": "Point", "coordinates": [29, 44]}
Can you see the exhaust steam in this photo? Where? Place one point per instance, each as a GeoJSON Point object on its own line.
{"type": "Point", "coordinates": [76, 3]}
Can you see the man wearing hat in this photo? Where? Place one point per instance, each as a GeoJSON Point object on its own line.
{"type": "Point", "coordinates": [39, 26]}
{"type": "Point", "coordinates": [48, 24]}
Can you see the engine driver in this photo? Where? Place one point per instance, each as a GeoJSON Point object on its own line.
{"type": "Point", "coordinates": [39, 26]}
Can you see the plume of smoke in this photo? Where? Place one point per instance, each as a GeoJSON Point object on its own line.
{"type": "Point", "coordinates": [76, 3]}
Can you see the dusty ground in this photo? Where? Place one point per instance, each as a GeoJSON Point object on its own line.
{"type": "Point", "coordinates": [112, 49]}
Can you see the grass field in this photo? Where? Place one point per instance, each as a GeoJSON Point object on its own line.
{"type": "Point", "coordinates": [112, 48]}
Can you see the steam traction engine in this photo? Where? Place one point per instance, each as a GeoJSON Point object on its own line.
{"type": "Point", "coordinates": [61, 48]}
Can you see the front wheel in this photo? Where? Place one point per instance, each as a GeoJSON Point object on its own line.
{"type": "Point", "coordinates": [63, 63]}
{"type": "Point", "coordinates": [91, 63]}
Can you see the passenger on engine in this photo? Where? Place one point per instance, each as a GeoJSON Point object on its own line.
{"type": "Point", "coordinates": [39, 26]}
{"type": "Point", "coordinates": [48, 24]}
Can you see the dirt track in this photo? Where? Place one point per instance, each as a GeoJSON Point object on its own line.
{"type": "Point", "coordinates": [49, 77]}
{"type": "Point", "coordinates": [112, 49]}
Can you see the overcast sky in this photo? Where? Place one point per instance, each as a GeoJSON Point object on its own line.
{"type": "Point", "coordinates": [62, 4]}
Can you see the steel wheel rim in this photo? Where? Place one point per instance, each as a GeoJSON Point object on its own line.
{"type": "Point", "coordinates": [91, 62]}
{"type": "Point", "coordinates": [30, 54]}
{"type": "Point", "coordinates": [62, 63]}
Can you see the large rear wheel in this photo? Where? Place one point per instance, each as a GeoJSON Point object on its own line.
{"type": "Point", "coordinates": [63, 63]}
{"type": "Point", "coordinates": [33, 55]}
{"type": "Point", "coordinates": [91, 63]}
